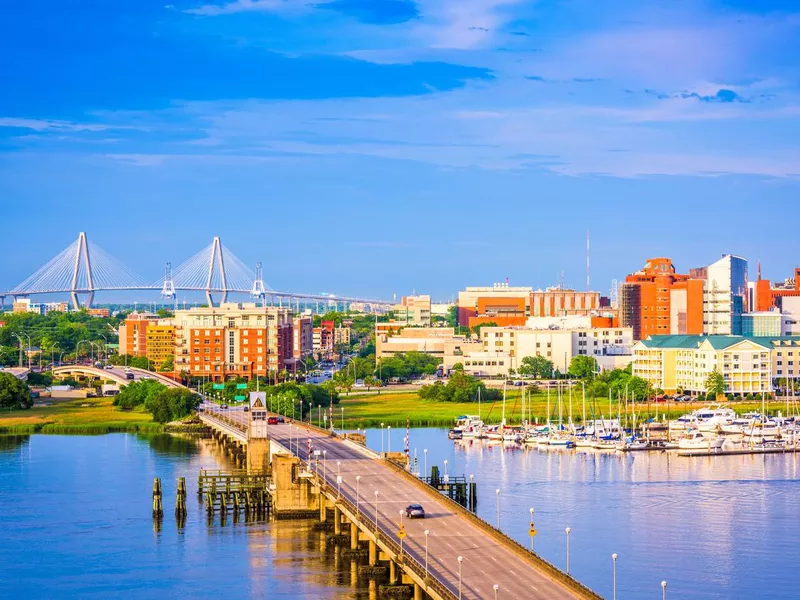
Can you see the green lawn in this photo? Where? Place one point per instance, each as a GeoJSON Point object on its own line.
{"type": "Point", "coordinates": [372, 409]}
{"type": "Point", "coordinates": [79, 415]}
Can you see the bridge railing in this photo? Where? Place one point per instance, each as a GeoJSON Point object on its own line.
{"type": "Point", "coordinates": [405, 559]}
{"type": "Point", "coordinates": [528, 555]}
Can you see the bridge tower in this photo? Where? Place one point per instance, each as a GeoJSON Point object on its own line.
{"type": "Point", "coordinates": [82, 274]}
{"type": "Point", "coordinates": [168, 289]}
{"type": "Point", "coordinates": [216, 257]}
{"type": "Point", "coordinates": [259, 291]}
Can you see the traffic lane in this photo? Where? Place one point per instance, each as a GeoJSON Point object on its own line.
{"type": "Point", "coordinates": [486, 562]}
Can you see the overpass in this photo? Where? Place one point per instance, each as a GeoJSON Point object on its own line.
{"type": "Point", "coordinates": [116, 375]}
{"type": "Point", "coordinates": [18, 372]}
{"type": "Point", "coordinates": [367, 492]}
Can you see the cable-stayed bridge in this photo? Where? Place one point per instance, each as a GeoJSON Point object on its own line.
{"type": "Point", "coordinates": [83, 268]}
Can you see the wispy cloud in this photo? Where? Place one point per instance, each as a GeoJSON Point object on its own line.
{"type": "Point", "coordinates": [57, 126]}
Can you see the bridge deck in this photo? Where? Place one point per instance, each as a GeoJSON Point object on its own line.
{"type": "Point", "coordinates": [486, 560]}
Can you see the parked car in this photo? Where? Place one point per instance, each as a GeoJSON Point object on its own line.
{"type": "Point", "coordinates": [415, 511]}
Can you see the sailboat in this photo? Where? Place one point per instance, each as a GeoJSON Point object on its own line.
{"type": "Point", "coordinates": [584, 440]}
{"type": "Point", "coordinates": [560, 440]}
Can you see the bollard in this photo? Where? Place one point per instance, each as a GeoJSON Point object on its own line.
{"type": "Point", "coordinates": [158, 508]}
{"type": "Point", "coordinates": [180, 500]}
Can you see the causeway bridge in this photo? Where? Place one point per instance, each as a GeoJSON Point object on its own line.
{"type": "Point", "coordinates": [450, 554]}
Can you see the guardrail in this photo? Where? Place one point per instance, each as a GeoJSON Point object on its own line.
{"type": "Point", "coordinates": [407, 561]}
{"type": "Point", "coordinates": [550, 569]}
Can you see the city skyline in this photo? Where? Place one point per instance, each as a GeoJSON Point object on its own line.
{"type": "Point", "coordinates": [383, 148]}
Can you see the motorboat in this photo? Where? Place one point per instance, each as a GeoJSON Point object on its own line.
{"type": "Point", "coordinates": [698, 442]}
{"type": "Point", "coordinates": [469, 425]}
{"type": "Point", "coordinates": [561, 442]}
{"type": "Point", "coordinates": [606, 444]}
{"type": "Point", "coordinates": [455, 434]}
{"type": "Point", "coordinates": [584, 441]}
{"type": "Point", "coordinates": [714, 417]}
{"type": "Point", "coordinates": [632, 444]}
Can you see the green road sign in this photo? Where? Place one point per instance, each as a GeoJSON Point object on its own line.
{"type": "Point", "coordinates": [241, 386]}
{"type": "Point", "coordinates": [239, 398]}
{"type": "Point", "coordinates": [218, 386]}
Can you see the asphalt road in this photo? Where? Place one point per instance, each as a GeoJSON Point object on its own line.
{"type": "Point", "coordinates": [485, 561]}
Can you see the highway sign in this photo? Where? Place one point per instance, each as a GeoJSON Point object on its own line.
{"type": "Point", "coordinates": [241, 386]}
{"type": "Point", "coordinates": [218, 386]}
{"type": "Point", "coordinates": [240, 398]}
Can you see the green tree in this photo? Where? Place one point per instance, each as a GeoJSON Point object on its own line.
{"type": "Point", "coordinates": [583, 366]}
{"type": "Point", "coordinates": [171, 404]}
{"type": "Point", "coordinates": [137, 393]}
{"type": "Point", "coordinates": [168, 365]}
{"type": "Point", "coordinates": [343, 381]}
{"type": "Point", "coordinates": [460, 387]}
{"type": "Point", "coordinates": [14, 393]}
{"type": "Point", "coordinates": [537, 367]}
{"type": "Point", "coordinates": [452, 316]}
{"type": "Point", "coordinates": [715, 384]}
{"type": "Point", "coordinates": [371, 381]}
{"type": "Point", "coordinates": [477, 329]}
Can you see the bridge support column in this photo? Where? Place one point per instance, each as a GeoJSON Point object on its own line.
{"type": "Point", "coordinates": [353, 536]}
{"type": "Point", "coordinates": [257, 454]}
{"type": "Point", "coordinates": [337, 521]}
{"type": "Point", "coordinates": [418, 593]}
{"type": "Point", "coordinates": [373, 553]}
{"type": "Point", "coordinates": [392, 572]}
{"type": "Point", "coordinates": [323, 508]}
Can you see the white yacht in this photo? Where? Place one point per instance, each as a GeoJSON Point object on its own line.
{"type": "Point", "coordinates": [714, 417]}
{"type": "Point", "coordinates": [697, 442]}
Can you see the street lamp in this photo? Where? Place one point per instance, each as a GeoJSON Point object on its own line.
{"type": "Point", "coordinates": [342, 409]}
{"type": "Point", "coordinates": [402, 512]}
{"type": "Point", "coordinates": [446, 478]}
{"type": "Point", "coordinates": [376, 513]}
{"type": "Point", "coordinates": [496, 588]}
{"type": "Point", "coordinates": [338, 486]}
{"type": "Point", "coordinates": [614, 576]}
{"type": "Point", "coordinates": [381, 438]}
{"type": "Point", "coordinates": [389, 438]}
{"type": "Point", "coordinates": [568, 530]}
{"type": "Point", "coordinates": [425, 469]}
{"type": "Point", "coordinates": [663, 590]}
{"type": "Point", "coordinates": [338, 467]}
{"type": "Point", "coordinates": [460, 560]}
{"type": "Point", "coordinates": [530, 510]}
{"type": "Point", "coordinates": [427, 533]}
{"type": "Point", "coordinates": [324, 456]}
{"type": "Point", "coordinates": [358, 480]}
{"type": "Point", "coordinates": [497, 493]}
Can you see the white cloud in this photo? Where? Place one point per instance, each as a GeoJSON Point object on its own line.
{"type": "Point", "coordinates": [239, 6]}
{"type": "Point", "coordinates": [55, 125]}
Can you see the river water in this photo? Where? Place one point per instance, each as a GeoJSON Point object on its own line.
{"type": "Point", "coordinates": [75, 521]}
{"type": "Point", "coordinates": [713, 527]}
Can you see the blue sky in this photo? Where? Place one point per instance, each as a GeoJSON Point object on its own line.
{"type": "Point", "coordinates": [388, 146]}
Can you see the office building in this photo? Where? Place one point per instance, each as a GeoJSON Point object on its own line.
{"type": "Point", "coordinates": [657, 300]}
{"type": "Point", "coordinates": [724, 295]}
{"type": "Point", "coordinates": [159, 341]}
{"type": "Point", "coordinates": [133, 333]}
{"type": "Point", "coordinates": [413, 310]}
{"type": "Point", "coordinates": [302, 337]}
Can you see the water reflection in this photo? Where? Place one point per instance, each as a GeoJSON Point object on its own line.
{"type": "Point", "coordinates": [165, 443]}
{"type": "Point", "coordinates": [10, 443]}
{"type": "Point", "coordinates": [714, 527]}
{"type": "Point", "coordinates": [77, 522]}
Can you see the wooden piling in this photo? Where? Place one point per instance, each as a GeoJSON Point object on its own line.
{"type": "Point", "coordinates": [158, 507]}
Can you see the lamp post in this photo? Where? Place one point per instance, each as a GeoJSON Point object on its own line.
{"type": "Point", "coordinates": [342, 409]}
{"type": "Point", "coordinates": [358, 480]}
{"type": "Point", "coordinates": [614, 576]}
{"type": "Point", "coordinates": [338, 468]}
{"type": "Point", "coordinates": [496, 589]}
{"type": "Point", "coordinates": [426, 532]}
{"type": "Point", "coordinates": [446, 478]}
{"type": "Point", "coordinates": [324, 456]}
{"type": "Point", "coordinates": [377, 493]}
{"type": "Point", "coordinates": [460, 560]}
{"type": "Point", "coordinates": [425, 462]}
{"type": "Point", "coordinates": [530, 510]}
{"type": "Point", "coordinates": [568, 530]}
{"type": "Point", "coordinates": [401, 529]}
{"type": "Point", "coordinates": [663, 590]}
{"type": "Point", "coordinates": [338, 486]}
{"type": "Point", "coordinates": [497, 493]}
{"type": "Point", "coordinates": [381, 438]}
{"type": "Point", "coordinates": [388, 438]}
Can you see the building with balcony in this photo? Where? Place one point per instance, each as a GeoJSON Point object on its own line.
{"type": "Point", "coordinates": [233, 340]}
{"type": "Point", "coordinates": [749, 365]}
{"type": "Point", "coordinates": [160, 341]}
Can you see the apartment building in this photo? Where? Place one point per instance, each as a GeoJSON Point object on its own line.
{"type": "Point", "coordinates": [133, 333]}
{"type": "Point", "coordinates": [749, 365]}
{"type": "Point", "coordinates": [302, 337]}
{"type": "Point", "coordinates": [24, 305]}
{"type": "Point", "coordinates": [233, 340]}
{"type": "Point", "coordinates": [160, 341]}
{"type": "Point", "coordinates": [341, 336]}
